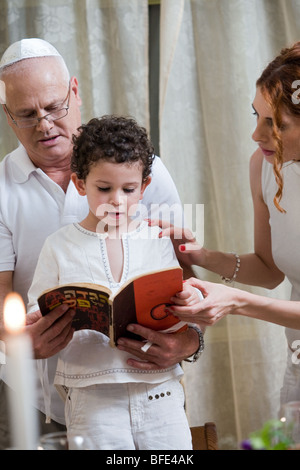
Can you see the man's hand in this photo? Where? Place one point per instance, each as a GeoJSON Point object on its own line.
{"type": "Point", "coordinates": [167, 349]}
{"type": "Point", "coordinates": [50, 333]}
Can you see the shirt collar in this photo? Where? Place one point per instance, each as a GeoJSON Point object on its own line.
{"type": "Point", "coordinates": [22, 165]}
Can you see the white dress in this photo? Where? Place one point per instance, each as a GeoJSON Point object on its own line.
{"type": "Point", "coordinates": [285, 234]}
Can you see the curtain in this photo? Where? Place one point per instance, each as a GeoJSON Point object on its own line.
{"type": "Point", "coordinates": [104, 43]}
{"type": "Point", "coordinates": [212, 52]}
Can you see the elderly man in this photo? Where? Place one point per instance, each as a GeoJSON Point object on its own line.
{"type": "Point", "coordinates": [42, 105]}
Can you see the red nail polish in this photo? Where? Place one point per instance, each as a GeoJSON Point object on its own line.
{"type": "Point", "coordinates": [182, 248]}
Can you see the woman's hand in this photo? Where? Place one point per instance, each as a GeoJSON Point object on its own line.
{"type": "Point", "coordinates": [187, 250]}
{"type": "Point", "coordinates": [219, 301]}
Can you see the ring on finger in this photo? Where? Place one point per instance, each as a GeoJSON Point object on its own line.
{"type": "Point", "coordinates": [146, 346]}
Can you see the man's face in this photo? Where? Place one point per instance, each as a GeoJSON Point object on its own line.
{"type": "Point", "coordinates": [35, 89]}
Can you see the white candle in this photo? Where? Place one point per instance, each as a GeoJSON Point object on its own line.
{"type": "Point", "coordinates": [20, 375]}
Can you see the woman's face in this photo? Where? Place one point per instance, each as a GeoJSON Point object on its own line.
{"type": "Point", "coordinates": [263, 134]}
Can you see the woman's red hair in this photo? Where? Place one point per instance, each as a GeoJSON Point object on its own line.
{"type": "Point", "coordinates": [278, 88]}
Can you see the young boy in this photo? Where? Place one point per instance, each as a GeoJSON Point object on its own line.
{"type": "Point", "coordinates": [111, 405]}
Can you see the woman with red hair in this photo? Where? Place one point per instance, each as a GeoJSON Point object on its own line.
{"type": "Point", "coordinates": [275, 187]}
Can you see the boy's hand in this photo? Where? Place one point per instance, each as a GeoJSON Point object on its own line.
{"type": "Point", "coordinates": [187, 303]}
{"type": "Point", "coordinates": [187, 297]}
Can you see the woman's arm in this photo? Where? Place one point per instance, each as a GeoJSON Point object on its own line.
{"type": "Point", "coordinates": [257, 268]}
{"type": "Point", "coordinates": [220, 300]}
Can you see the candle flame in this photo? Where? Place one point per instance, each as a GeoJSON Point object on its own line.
{"type": "Point", "coordinates": [14, 313]}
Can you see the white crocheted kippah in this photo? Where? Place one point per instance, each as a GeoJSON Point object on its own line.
{"type": "Point", "coordinates": [26, 49]}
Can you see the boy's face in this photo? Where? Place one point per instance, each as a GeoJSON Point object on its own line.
{"type": "Point", "coordinates": [113, 191]}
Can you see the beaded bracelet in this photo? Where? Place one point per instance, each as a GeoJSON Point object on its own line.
{"type": "Point", "coordinates": [229, 280]}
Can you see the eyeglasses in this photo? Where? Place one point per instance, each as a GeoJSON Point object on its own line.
{"type": "Point", "coordinates": [53, 116]}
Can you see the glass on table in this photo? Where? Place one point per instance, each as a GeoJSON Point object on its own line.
{"type": "Point", "coordinates": [60, 441]}
{"type": "Point", "coordinates": [290, 416]}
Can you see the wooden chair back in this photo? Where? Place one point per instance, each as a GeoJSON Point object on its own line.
{"type": "Point", "coordinates": [205, 437]}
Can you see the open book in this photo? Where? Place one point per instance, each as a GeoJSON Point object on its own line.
{"type": "Point", "coordinates": [141, 300]}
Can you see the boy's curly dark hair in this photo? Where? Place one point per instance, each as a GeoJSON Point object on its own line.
{"type": "Point", "coordinates": [111, 138]}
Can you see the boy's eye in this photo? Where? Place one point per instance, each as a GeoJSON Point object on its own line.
{"type": "Point", "coordinates": [104, 189]}
{"type": "Point", "coordinates": [128, 190]}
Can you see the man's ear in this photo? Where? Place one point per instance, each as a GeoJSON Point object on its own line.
{"type": "Point", "coordinates": [2, 92]}
{"type": "Point", "coordinates": [75, 89]}
{"type": "Point", "coordinates": [79, 184]}
{"type": "Point", "coordinates": [144, 186]}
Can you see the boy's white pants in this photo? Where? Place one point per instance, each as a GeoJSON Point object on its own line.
{"type": "Point", "coordinates": [129, 416]}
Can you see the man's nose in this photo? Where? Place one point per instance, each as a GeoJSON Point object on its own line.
{"type": "Point", "coordinates": [44, 123]}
